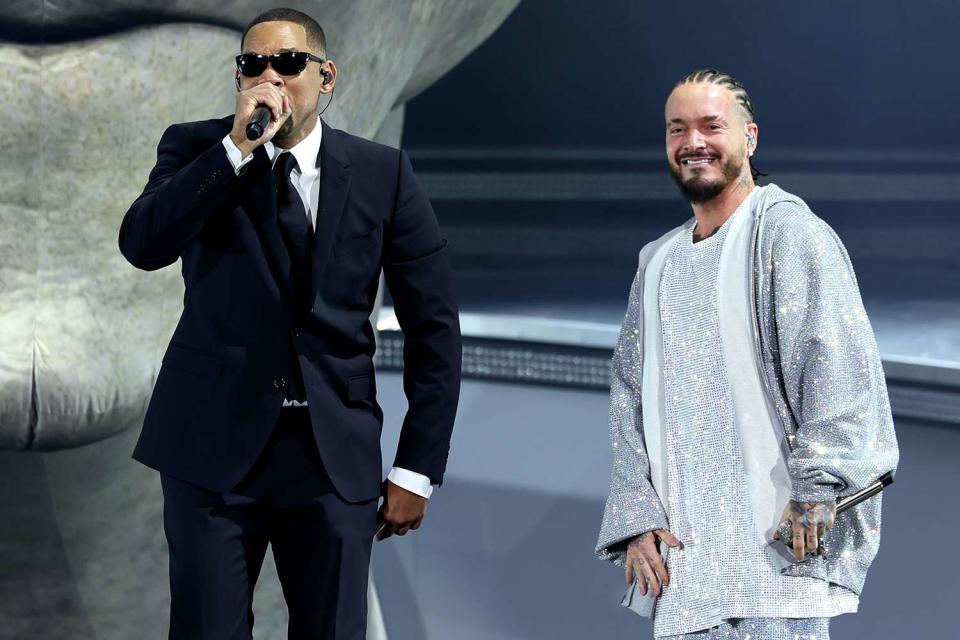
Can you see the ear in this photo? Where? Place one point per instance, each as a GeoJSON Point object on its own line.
{"type": "Point", "coordinates": [330, 79]}
{"type": "Point", "coordinates": [753, 137]}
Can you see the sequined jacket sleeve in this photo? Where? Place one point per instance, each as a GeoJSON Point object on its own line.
{"type": "Point", "coordinates": [633, 506]}
{"type": "Point", "coordinates": [830, 370]}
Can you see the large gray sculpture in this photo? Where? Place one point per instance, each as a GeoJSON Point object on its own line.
{"type": "Point", "coordinates": [82, 553]}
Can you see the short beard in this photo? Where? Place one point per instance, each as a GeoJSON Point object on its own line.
{"type": "Point", "coordinates": [699, 191]}
{"type": "Point", "coordinates": [285, 130]}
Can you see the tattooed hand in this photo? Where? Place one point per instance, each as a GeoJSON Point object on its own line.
{"type": "Point", "coordinates": [808, 521]}
{"type": "Point", "coordinates": [644, 561]}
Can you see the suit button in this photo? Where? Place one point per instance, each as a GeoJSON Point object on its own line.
{"type": "Point", "coordinates": [279, 383]}
{"type": "Point", "coordinates": [296, 332]}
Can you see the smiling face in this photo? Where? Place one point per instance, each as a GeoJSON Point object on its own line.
{"type": "Point", "coordinates": [303, 89]}
{"type": "Point", "coordinates": [706, 138]}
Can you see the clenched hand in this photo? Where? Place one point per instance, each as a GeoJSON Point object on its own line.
{"type": "Point", "coordinates": [400, 512]}
{"type": "Point", "coordinates": [248, 100]}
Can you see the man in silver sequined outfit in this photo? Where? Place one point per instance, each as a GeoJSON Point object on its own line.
{"type": "Point", "coordinates": [746, 391]}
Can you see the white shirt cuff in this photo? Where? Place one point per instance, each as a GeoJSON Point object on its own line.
{"type": "Point", "coordinates": [235, 155]}
{"type": "Point", "coordinates": [411, 481]}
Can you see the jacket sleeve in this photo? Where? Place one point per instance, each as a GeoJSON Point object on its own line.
{"type": "Point", "coordinates": [831, 370]}
{"type": "Point", "coordinates": [181, 192]}
{"type": "Point", "coordinates": [633, 505]}
{"type": "Point", "coordinates": [417, 271]}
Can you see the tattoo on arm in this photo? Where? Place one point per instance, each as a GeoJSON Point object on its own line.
{"type": "Point", "coordinates": [638, 541]}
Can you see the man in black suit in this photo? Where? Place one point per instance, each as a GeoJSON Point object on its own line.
{"type": "Point", "coordinates": [264, 422]}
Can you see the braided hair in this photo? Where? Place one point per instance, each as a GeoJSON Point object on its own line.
{"type": "Point", "coordinates": [717, 77]}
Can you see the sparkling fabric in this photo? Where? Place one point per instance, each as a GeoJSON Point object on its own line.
{"type": "Point", "coordinates": [823, 374]}
{"type": "Point", "coordinates": [762, 629]}
{"type": "Point", "coordinates": [724, 570]}
{"type": "Point", "coordinates": [632, 505]}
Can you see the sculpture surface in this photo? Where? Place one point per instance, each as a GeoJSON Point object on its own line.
{"type": "Point", "coordinates": [81, 542]}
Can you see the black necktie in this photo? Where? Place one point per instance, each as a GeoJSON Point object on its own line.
{"type": "Point", "coordinates": [293, 217]}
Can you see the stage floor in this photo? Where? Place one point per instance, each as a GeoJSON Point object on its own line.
{"type": "Point", "coordinates": [506, 550]}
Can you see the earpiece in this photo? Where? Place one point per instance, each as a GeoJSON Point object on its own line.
{"type": "Point", "coordinates": [750, 140]}
{"type": "Point", "coordinates": [327, 77]}
{"type": "Point", "coordinates": [238, 83]}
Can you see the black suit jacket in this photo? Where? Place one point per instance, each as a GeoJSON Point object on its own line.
{"type": "Point", "coordinates": [229, 363]}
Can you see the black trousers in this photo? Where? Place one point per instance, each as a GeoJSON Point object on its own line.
{"type": "Point", "coordinates": [321, 545]}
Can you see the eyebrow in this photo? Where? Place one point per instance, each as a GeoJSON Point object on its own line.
{"type": "Point", "coordinates": [709, 118]}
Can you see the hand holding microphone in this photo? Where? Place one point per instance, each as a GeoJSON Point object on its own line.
{"type": "Point", "coordinates": [803, 524]}
{"type": "Point", "coordinates": [259, 122]}
{"type": "Point", "coordinates": [262, 110]}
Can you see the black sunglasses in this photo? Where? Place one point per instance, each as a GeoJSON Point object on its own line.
{"type": "Point", "coordinates": [288, 63]}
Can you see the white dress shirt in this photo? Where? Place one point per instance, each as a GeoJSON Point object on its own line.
{"type": "Point", "coordinates": [306, 179]}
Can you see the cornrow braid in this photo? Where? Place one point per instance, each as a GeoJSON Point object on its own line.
{"type": "Point", "coordinates": [717, 77]}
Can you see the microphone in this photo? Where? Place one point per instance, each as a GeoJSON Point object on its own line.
{"type": "Point", "coordinates": [785, 550]}
{"type": "Point", "coordinates": [258, 122]}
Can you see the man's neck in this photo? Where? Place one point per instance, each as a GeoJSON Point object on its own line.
{"type": "Point", "coordinates": [712, 214]}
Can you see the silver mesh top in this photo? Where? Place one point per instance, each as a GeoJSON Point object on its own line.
{"type": "Point", "coordinates": [825, 381]}
{"type": "Point", "coordinates": [723, 570]}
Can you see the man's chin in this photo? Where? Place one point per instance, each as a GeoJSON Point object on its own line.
{"type": "Point", "coordinates": [285, 129]}
{"type": "Point", "coordinates": [697, 190]}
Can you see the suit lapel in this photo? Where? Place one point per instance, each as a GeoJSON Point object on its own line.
{"type": "Point", "coordinates": [335, 181]}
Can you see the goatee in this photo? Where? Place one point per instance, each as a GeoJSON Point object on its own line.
{"type": "Point", "coordinates": [698, 190]}
{"type": "Point", "coordinates": [285, 130]}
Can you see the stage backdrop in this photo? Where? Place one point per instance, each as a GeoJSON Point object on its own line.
{"type": "Point", "coordinates": [88, 88]}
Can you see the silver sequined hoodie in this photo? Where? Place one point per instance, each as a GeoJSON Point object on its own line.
{"type": "Point", "coordinates": [822, 372]}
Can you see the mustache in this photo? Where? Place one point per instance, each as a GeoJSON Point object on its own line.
{"type": "Point", "coordinates": [695, 154]}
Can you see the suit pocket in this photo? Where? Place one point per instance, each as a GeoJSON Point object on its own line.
{"type": "Point", "coordinates": [365, 242]}
{"type": "Point", "coordinates": [358, 388]}
{"type": "Point", "coordinates": [351, 279]}
{"type": "Point", "coordinates": [201, 363]}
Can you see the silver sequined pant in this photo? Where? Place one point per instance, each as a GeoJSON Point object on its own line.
{"type": "Point", "coordinates": [763, 629]}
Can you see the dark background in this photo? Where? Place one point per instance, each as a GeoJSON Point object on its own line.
{"type": "Point", "coordinates": [543, 150]}
{"type": "Point", "coordinates": [543, 154]}
{"type": "Point", "coordinates": [853, 75]}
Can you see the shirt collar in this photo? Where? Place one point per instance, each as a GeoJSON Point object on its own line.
{"type": "Point", "coordinates": [305, 151]}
